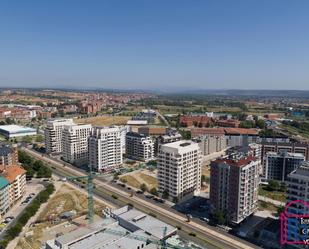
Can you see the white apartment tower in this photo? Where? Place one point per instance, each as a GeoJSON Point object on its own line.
{"type": "Point", "coordinates": [139, 146]}
{"type": "Point", "coordinates": [75, 143]}
{"type": "Point", "coordinates": [179, 169]}
{"type": "Point", "coordinates": [105, 148]}
{"type": "Point", "coordinates": [53, 135]}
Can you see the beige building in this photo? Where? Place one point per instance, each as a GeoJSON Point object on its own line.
{"type": "Point", "coordinates": [179, 170]}
{"type": "Point", "coordinates": [75, 143]}
{"type": "Point", "coordinates": [211, 143]}
{"type": "Point", "coordinates": [53, 135]}
{"type": "Point", "coordinates": [106, 148]}
{"type": "Point", "coordinates": [16, 176]}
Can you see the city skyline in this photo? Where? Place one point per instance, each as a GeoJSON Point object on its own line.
{"type": "Point", "coordinates": [162, 46]}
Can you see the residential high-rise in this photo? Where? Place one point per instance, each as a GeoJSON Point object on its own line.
{"type": "Point", "coordinates": [211, 143]}
{"type": "Point", "coordinates": [105, 148]}
{"type": "Point", "coordinates": [234, 185]}
{"type": "Point", "coordinates": [279, 165]}
{"type": "Point", "coordinates": [297, 188]}
{"type": "Point", "coordinates": [179, 169]}
{"type": "Point", "coordinates": [75, 143]}
{"type": "Point", "coordinates": [4, 196]}
{"type": "Point", "coordinates": [302, 148]}
{"type": "Point", "coordinates": [16, 176]}
{"type": "Point", "coordinates": [139, 146]}
{"type": "Point", "coordinates": [53, 135]}
{"type": "Point", "coordinates": [8, 155]}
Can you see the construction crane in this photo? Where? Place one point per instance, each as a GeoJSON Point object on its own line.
{"type": "Point", "coordinates": [89, 179]}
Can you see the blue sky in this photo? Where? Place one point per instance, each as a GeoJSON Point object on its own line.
{"type": "Point", "coordinates": [155, 44]}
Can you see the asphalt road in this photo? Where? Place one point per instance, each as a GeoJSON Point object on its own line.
{"type": "Point", "coordinates": [212, 237]}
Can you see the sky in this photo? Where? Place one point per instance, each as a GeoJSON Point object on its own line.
{"type": "Point", "coordinates": [166, 45]}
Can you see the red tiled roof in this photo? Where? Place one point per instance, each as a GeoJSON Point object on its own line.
{"type": "Point", "coordinates": [237, 163]}
{"type": "Point", "coordinates": [11, 172]}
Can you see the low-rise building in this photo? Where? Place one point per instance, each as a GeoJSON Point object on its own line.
{"type": "Point", "coordinates": [127, 228]}
{"type": "Point", "coordinates": [139, 146]}
{"type": "Point", "coordinates": [11, 131]}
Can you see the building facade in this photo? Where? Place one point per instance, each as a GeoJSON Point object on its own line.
{"type": "Point", "coordinates": [234, 187]}
{"type": "Point", "coordinates": [75, 143]}
{"type": "Point", "coordinates": [53, 135]}
{"type": "Point", "coordinates": [16, 176]}
{"type": "Point", "coordinates": [8, 155]}
{"type": "Point", "coordinates": [210, 144]}
{"type": "Point", "coordinates": [298, 188]}
{"type": "Point", "coordinates": [4, 196]}
{"type": "Point", "coordinates": [179, 170]}
{"type": "Point", "coordinates": [105, 148]}
{"type": "Point", "coordinates": [279, 165]}
{"type": "Point", "coordinates": [139, 146]}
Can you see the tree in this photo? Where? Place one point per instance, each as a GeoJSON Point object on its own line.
{"type": "Point", "coordinates": [124, 180]}
{"type": "Point", "coordinates": [39, 139]}
{"type": "Point", "coordinates": [154, 191]}
{"type": "Point", "coordinates": [273, 185]}
{"type": "Point", "coordinates": [218, 217]}
{"type": "Point", "coordinates": [143, 187]}
{"type": "Point", "coordinates": [280, 210]}
{"type": "Point", "coordinates": [260, 123]}
{"type": "Point", "coordinates": [27, 139]}
{"type": "Point", "coordinates": [165, 194]}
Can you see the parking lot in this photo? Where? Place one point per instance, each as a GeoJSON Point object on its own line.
{"type": "Point", "coordinates": [32, 189]}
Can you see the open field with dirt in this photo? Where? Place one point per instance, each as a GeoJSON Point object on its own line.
{"type": "Point", "coordinates": [104, 120]}
{"type": "Point", "coordinates": [66, 199]}
{"type": "Point", "coordinates": [135, 179]}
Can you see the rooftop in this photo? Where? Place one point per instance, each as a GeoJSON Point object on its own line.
{"type": "Point", "coordinates": [16, 128]}
{"type": "Point", "coordinates": [3, 182]}
{"type": "Point", "coordinates": [11, 172]}
{"type": "Point", "coordinates": [241, 162]}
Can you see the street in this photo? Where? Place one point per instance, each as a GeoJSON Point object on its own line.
{"type": "Point", "coordinates": [105, 190]}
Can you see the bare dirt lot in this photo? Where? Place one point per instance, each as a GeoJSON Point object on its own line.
{"type": "Point", "coordinates": [49, 223]}
{"type": "Point", "coordinates": [104, 120]}
{"type": "Point", "coordinates": [136, 178]}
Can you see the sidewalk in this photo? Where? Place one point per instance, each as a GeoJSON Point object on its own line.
{"type": "Point", "coordinates": [266, 199]}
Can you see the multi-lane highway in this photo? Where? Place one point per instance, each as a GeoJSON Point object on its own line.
{"type": "Point", "coordinates": [212, 237]}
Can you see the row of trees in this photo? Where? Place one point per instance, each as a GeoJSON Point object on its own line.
{"type": "Point", "coordinates": [33, 167]}
{"type": "Point", "coordinates": [29, 211]}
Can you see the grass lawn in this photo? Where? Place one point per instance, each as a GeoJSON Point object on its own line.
{"type": "Point", "coordinates": [275, 195]}
{"type": "Point", "coordinates": [262, 205]}
{"type": "Point", "coordinates": [104, 120]}
{"type": "Point", "coordinates": [295, 131]}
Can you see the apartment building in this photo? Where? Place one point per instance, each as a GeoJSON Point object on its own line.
{"type": "Point", "coordinates": [139, 146]}
{"type": "Point", "coordinates": [302, 148]}
{"type": "Point", "coordinates": [298, 188]}
{"type": "Point", "coordinates": [75, 143]}
{"type": "Point", "coordinates": [8, 155]}
{"type": "Point", "coordinates": [105, 148]}
{"type": "Point", "coordinates": [179, 170]}
{"type": "Point", "coordinates": [4, 196]}
{"type": "Point", "coordinates": [280, 164]}
{"type": "Point", "coordinates": [53, 135]}
{"type": "Point", "coordinates": [211, 143]}
{"type": "Point", "coordinates": [16, 176]}
{"type": "Point", "coordinates": [234, 185]}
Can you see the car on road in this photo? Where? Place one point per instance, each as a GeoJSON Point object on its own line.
{"type": "Point", "coordinates": [204, 219]}
{"type": "Point", "coordinates": [139, 192]}
{"type": "Point", "coordinates": [149, 196]}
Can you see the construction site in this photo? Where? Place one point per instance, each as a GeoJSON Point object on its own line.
{"type": "Point", "coordinates": [74, 219]}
